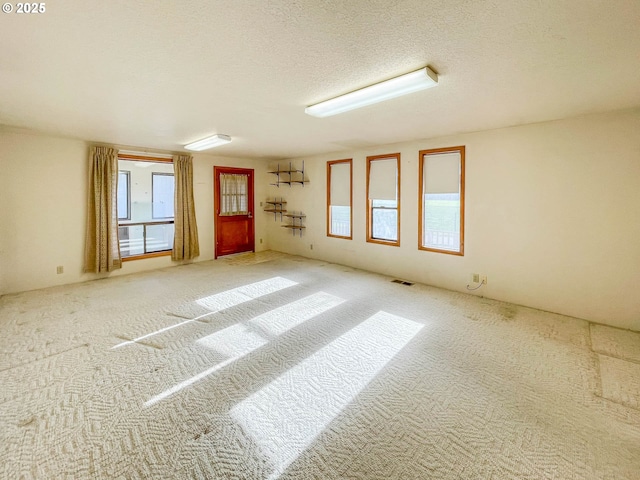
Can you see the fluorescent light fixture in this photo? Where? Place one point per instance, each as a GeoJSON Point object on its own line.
{"type": "Point", "coordinates": [396, 87]}
{"type": "Point", "coordinates": [209, 142]}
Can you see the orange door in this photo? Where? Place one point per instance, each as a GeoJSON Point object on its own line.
{"type": "Point", "coordinates": [233, 207]}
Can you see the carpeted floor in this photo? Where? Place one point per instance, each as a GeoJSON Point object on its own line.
{"type": "Point", "coordinates": [273, 366]}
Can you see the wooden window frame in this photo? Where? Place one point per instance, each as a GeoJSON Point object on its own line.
{"type": "Point", "coordinates": [461, 150]}
{"type": "Point", "coordinates": [141, 158]}
{"type": "Point", "coordinates": [164, 253]}
{"type": "Point", "coordinates": [370, 238]}
{"type": "Point", "coordinates": [329, 164]}
{"type": "Point", "coordinates": [144, 158]}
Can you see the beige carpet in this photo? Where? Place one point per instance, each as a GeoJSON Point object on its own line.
{"type": "Point", "coordinates": [273, 366]}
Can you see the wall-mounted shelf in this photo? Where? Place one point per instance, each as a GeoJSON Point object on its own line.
{"type": "Point", "coordinates": [296, 222]}
{"type": "Point", "coordinates": [276, 207]}
{"type": "Point", "coordinates": [290, 176]}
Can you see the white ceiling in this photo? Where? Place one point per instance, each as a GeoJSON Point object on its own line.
{"type": "Point", "coordinates": [159, 74]}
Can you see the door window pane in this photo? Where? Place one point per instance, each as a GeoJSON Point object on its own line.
{"type": "Point", "coordinates": [234, 194]}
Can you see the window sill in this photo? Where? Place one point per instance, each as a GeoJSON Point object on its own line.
{"type": "Point", "coordinates": [391, 243]}
{"type": "Point", "coordinates": [164, 253]}
{"type": "Point", "coordinates": [437, 250]}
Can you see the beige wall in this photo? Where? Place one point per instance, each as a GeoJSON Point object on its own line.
{"type": "Point", "coordinates": [552, 217]}
{"type": "Point", "coordinates": [44, 182]}
{"type": "Point", "coordinates": [42, 210]}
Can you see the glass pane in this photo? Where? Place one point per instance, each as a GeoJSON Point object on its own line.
{"type": "Point", "coordinates": [384, 203]}
{"type": "Point", "coordinates": [123, 195]}
{"type": "Point", "coordinates": [441, 222]}
{"type": "Point", "coordinates": [340, 221]}
{"type": "Point", "coordinates": [384, 223]}
{"type": "Point", "coordinates": [159, 237]}
{"type": "Point", "coordinates": [163, 189]}
{"type": "Point", "coordinates": [131, 240]}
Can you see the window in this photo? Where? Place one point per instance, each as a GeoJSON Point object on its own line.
{"type": "Point", "coordinates": [339, 198]}
{"type": "Point", "coordinates": [383, 199]}
{"type": "Point", "coordinates": [145, 206]}
{"type": "Point", "coordinates": [162, 189]}
{"type": "Point", "coordinates": [441, 200]}
{"type": "Point", "coordinates": [124, 195]}
{"type": "Point", "coordinates": [234, 194]}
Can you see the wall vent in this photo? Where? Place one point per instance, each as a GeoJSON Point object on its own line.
{"type": "Point", "coordinates": [401, 282]}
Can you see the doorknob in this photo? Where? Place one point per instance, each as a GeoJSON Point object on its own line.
{"type": "Point", "coordinates": [250, 215]}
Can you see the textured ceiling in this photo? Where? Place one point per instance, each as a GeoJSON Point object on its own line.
{"type": "Point", "coordinates": [159, 74]}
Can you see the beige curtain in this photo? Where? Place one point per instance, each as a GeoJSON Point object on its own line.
{"type": "Point", "coordinates": [234, 194]}
{"type": "Point", "coordinates": [185, 241]}
{"type": "Point", "coordinates": [102, 250]}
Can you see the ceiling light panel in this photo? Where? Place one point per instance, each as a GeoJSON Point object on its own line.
{"type": "Point", "coordinates": [209, 142]}
{"type": "Point", "coordinates": [395, 87]}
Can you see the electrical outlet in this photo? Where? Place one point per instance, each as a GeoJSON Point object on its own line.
{"type": "Point", "coordinates": [260, 240]}
{"type": "Point", "coordinates": [59, 269]}
{"type": "Point", "coordinates": [260, 205]}
{"type": "Point", "coordinates": [311, 246]}
{"type": "Point", "coordinates": [483, 279]}
{"type": "Point", "coordinates": [475, 277]}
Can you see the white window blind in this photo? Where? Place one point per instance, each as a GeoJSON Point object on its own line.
{"type": "Point", "coordinates": [441, 173]}
{"type": "Point", "coordinates": [340, 185]}
{"type": "Point", "coordinates": [383, 181]}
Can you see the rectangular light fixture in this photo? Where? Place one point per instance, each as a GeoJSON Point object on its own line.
{"type": "Point", "coordinates": [209, 142]}
{"type": "Point", "coordinates": [396, 87]}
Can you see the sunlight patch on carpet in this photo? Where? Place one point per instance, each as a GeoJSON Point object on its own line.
{"type": "Point", "coordinates": [241, 339]}
{"type": "Point", "coordinates": [285, 416]}
{"type": "Point", "coordinates": [220, 301]}
{"type": "Point", "coordinates": [236, 296]}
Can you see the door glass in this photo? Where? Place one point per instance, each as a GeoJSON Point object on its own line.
{"type": "Point", "coordinates": [234, 194]}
